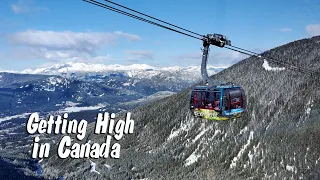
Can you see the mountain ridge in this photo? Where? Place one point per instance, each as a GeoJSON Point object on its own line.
{"type": "Point", "coordinates": [278, 128]}
{"type": "Point", "coordinates": [134, 70]}
{"type": "Point", "coordinates": [277, 138]}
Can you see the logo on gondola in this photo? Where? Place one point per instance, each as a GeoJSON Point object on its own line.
{"type": "Point", "coordinates": [206, 113]}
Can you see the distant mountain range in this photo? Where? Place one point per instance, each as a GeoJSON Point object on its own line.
{"type": "Point", "coordinates": [133, 71]}
{"type": "Point", "coordinates": [46, 89]}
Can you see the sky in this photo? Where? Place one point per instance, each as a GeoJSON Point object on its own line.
{"type": "Point", "coordinates": [40, 33]}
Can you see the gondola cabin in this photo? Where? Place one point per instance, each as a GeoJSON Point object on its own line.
{"type": "Point", "coordinates": [218, 102]}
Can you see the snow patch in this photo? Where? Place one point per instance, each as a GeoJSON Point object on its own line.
{"type": "Point", "coordinates": [93, 167]}
{"type": "Point", "coordinates": [50, 89]}
{"type": "Point", "coordinates": [267, 67]}
{"type": "Point", "coordinates": [202, 131]}
{"type": "Point", "coordinates": [107, 166]}
{"type": "Point", "coordinates": [153, 97]}
{"type": "Point", "coordinates": [245, 129]}
{"type": "Point", "coordinates": [183, 127]}
{"type": "Point", "coordinates": [78, 109]}
{"type": "Point", "coordinates": [192, 159]}
{"type": "Point", "coordinates": [251, 155]}
{"type": "Point", "coordinates": [54, 80]}
{"type": "Point", "coordinates": [7, 118]}
{"type": "Point", "coordinates": [309, 105]}
{"type": "Point", "coordinates": [71, 104]}
{"type": "Point", "coordinates": [244, 147]}
{"type": "Point", "coordinates": [290, 168]}
{"type": "Point", "coordinates": [126, 84]}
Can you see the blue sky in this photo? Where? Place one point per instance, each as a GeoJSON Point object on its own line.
{"type": "Point", "coordinates": [39, 33]}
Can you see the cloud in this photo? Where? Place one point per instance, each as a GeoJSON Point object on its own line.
{"type": "Point", "coordinates": [61, 46]}
{"type": "Point", "coordinates": [55, 56]}
{"type": "Point", "coordinates": [286, 30]}
{"type": "Point", "coordinates": [26, 6]}
{"type": "Point", "coordinates": [313, 29]}
{"type": "Point", "coordinates": [65, 40]}
{"type": "Point", "coordinates": [219, 59]}
{"type": "Point", "coordinates": [188, 56]}
{"type": "Point", "coordinates": [138, 55]}
{"type": "Point", "coordinates": [130, 37]}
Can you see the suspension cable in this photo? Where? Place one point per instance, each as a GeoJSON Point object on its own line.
{"type": "Point", "coordinates": [233, 48]}
{"type": "Point", "coordinates": [136, 17]}
{"type": "Point", "coordinates": [153, 18]}
{"type": "Point", "coordinates": [290, 66]}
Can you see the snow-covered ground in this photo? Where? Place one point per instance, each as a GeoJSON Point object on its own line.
{"type": "Point", "coordinates": [153, 97]}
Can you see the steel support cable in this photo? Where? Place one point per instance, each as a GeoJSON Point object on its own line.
{"type": "Point", "coordinates": [277, 61]}
{"type": "Point", "coordinates": [153, 18]}
{"type": "Point", "coordinates": [157, 24]}
{"type": "Point", "coordinates": [245, 50]}
{"type": "Point", "coordinates": [136, 17]}
{"type": "Point", "coordinates": [302, 70]}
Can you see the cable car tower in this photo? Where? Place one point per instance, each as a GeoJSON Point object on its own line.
{"type": "Point", "coordinates": [214, 39]}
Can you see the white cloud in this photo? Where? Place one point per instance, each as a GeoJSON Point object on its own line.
{"type": "Point", "coordinates": [286, 30]}
{"type": "Point", "coordinates": [62, 46]}
{"type": "Point", "coordinates": [54, 56]}
{"type": "Point", "coordinates": [130, 37]}
{"type": "Point", "coordinates": [138, 55]}
{"type": "Point", "coordinates": [218, 59]}
{"type": "Point", "coordinates": [189, 56]}
{"type": "Point", "coordinates": [313, 29]}
{"type": "Point", "coordinates": [65, 40]}
{"type": "Point", "coordinates": [26, 6]}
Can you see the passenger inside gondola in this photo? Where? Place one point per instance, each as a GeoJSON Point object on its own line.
{"type": "Point", "coordinates": [235, 103]}
{"type": "Point", "coordinates": [202, 105]}
{"type": "Point", "coordinates": [206, 104]}
{"type": "Point", "coordinates": [216, 105]}
{"type": "Point", "coordinates": [196, 100]}
{"type": "Point", "coordinates": [198, 104]}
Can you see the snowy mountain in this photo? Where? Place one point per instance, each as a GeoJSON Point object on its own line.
{"type": "Point", "coordinates": [21, 93]}
{"type": "Point", "coordinates": [277, 138]}
{"type": "Point", "coordinates": [89, 84]}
